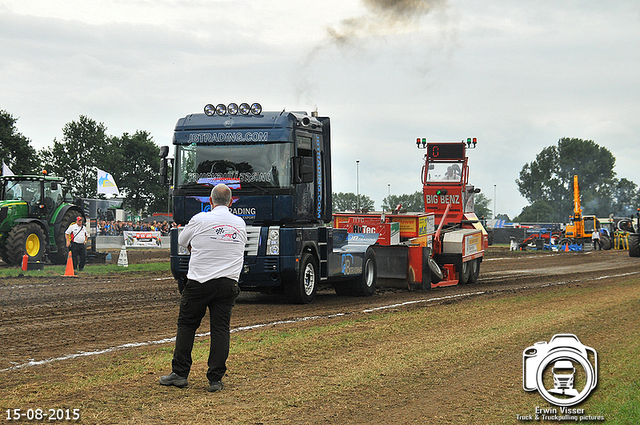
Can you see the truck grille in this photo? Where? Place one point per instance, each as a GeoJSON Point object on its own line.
{"type": "Point", "coordinates": [253, 240]}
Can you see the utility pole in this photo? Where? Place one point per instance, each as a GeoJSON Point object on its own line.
{"type": "Point", "coordinates": [494, 201]}
{"type": "Point", "coordinates": [357, 186]}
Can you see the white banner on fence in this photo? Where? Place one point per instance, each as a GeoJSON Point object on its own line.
{"type": "Point", "coordinates": [146, 239]}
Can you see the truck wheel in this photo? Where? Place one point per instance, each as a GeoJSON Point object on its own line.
{"type": "Point", "coordinates": [365, 284]}
{"type": "Point", "coordinates": [436, 273]}
{"type": "Point", "coordinates": [605, 241]}
{"type": "Point", "coordinates": [634, 245]}
{"type": "Point", "coordinates": [304, 290]}
{"type": "Point", "coordinates": [26, 239]}
{"type": "Point", "coordinates": [474, 270]}
{"type": "Point", "coordinates": [465, 272]}
{"type": "Point", "coordinates": [60, 257]}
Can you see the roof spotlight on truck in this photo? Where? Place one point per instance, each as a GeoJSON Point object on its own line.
{"type": "Point", "coordinates": [232, 109]}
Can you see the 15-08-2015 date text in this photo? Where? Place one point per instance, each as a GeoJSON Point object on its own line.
{"type": "Point", "coordinates": [42, 414]}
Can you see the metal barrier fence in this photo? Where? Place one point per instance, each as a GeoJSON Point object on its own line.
{"type": "Point", "coordinates": [113, 242]}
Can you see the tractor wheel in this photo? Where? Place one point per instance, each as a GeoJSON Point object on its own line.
{"type": "Point", "coordinates": [465, 272]}
{"type": "Point", "coordinates": [475, 271]}
{"type": "Point", "coordinates": [26, 239]}
{"type": "Point", "coordinates": [60, 257]}
{"type": "Point", "coordinates": [3, 254]}
{"type": "Point", "coordinates": [304, 289]}
{"type": "Point", "coordinates": [634, 245]}
{"type": "Point", "coordinates": [605, 242]}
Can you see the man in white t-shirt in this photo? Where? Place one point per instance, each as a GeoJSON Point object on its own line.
{"type": "Point", "coordinates": [595, 238]}
{"type": "Point", "coordinates": [77, 237]}
{"type": "Point", "coordinates": [216, 240]}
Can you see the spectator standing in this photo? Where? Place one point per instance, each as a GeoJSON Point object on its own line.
{"type": "Point", "coordinates": [77, 237]}
{"type": "Point", "coordinates": [595, 238]}
{"type": "Point", "coordinates": [216, 240]}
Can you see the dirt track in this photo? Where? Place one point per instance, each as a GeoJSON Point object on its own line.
{"type": "Point", "coordinates": [44, 318]}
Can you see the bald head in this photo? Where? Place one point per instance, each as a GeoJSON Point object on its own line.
{"type": "Point", "coordinates": [221, 195]}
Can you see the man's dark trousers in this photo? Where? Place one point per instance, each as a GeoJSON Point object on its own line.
{"type": "Point", "coordinates": [219, 295]}
{"type": "Point", "coordinates": [78, 255]}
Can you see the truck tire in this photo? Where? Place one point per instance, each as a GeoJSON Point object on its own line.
{"type": "Point", "coordinates": [365, 284]}
{"type": "Point", "coordinates": [60, 257]}
{"type": "Point", "coordinates": [634, 245]}
{"type": "Point", "coordinates": [26, 239]}
{"type": "Point", "coordinates": [465, 272]}
{"type": "Point", "coordinates": [474, 271]}
{"type": "Point", "coordinates": [304, 289]}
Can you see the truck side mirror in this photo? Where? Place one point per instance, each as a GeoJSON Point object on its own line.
{"type": "Point", "coordinates": [164, 151]}
{"type": "Point", "coordinates": [163, 171]}
{"type": "Point", "coordinates": [302, 169]}
{"type": "Point", "coordinates": [164, 166]}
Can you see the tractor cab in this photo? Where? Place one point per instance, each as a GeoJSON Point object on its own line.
{"type": "Point", "coordinates": [41, 196]}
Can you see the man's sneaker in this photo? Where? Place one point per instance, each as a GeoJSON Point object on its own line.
{"type": "Point", "coordinates": [215, 386]}
{"type": "Point", "coordinates": [173, 379]}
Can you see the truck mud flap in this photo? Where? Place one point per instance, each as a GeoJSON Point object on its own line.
{"type": "Point", "coordinates": [391, 261]}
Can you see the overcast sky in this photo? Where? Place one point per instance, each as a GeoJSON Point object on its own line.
{"type": "Point", "coordinates": [517, 75]}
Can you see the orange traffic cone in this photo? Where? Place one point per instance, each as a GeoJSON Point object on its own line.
{"type": "Point", "coordinates": [25, 262]}
{"type": "Point", "coordinates": [69, 270]}
{"type": "Point", "coordinates": [566, 248]}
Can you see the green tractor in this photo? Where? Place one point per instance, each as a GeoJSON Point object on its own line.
{"type": "Point", "coordinates": [34, 214]}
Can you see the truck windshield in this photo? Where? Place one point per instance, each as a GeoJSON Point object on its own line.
{"type": "Point", "coordinates": [444, 172]}
{"type": "Point", "coordinates": [238, 166]}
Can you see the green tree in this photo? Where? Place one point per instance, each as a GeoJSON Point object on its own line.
{"type": "Point", "coordinates": [132, 160]}
{"type": "Point", "coordinates": [84, 147]}
{"type": "Point", "coordinates": [349, 202]}
{"type": "Point", "coordinates": [413, 202]}
{"type": "Point", "coordinates": [535, 213]}
{"type": "Point", "coordinates": [137, 174]}
{"type": "Point", "coordinates": [549, 178]}
{"type": "Point", "coordinates": [625, 198]}
{"type": "Point", "coordinates": [15, 149]}
{"type": "Point", "coordinates": [481, 206]}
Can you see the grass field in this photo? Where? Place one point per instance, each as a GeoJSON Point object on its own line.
{"type": "Point", "coordinates": [459, 362]}
{"type": "Point", "coordinates": [91, 269]}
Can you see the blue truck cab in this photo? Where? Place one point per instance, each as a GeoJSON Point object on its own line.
{"type": "Point", "coordinates": [278, 165]}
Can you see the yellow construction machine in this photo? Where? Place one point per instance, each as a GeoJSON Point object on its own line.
{"type": "Point", "coordinates": [581, 228]}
